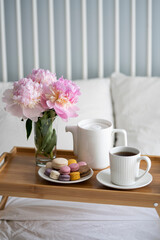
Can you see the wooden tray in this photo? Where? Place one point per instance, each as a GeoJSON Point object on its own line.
{"type": "Point", "coordinates": [19, 177]}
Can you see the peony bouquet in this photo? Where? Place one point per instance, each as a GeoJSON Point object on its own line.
{"type": "Point", "coordinates": [39, 98]}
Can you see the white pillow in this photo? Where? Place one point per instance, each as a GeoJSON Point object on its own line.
{"type": "Point", "coordinates": [94, 102]}
{"type": "Point", "coordinates": [136, 104]}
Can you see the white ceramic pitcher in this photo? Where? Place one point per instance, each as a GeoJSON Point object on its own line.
{"type": "Point", "coordinates": [92, 140]}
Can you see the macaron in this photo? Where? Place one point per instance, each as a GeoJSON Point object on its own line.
{"type": "Point", "coordinates": [49, 165]}
{"type": "Point", "coordinates": [74, 176]}
{"type": "Point", "coordinates": [84, 170]}
{"type": "Point", "coordinates": [54, 174]}
{"type": "Point", "coordinates": [57, 163]}
{"type": "Point", "coordinates": [70, 161]}
{"type": "Point", "coordinates": [81, 163]}
{"type": "Point", "coordinates": [74, 167]}
{"type": "Point", "coordinates": [65, 177]}
{"type": "Point", "coordinates": [47, 171]}
{"type": "Point", "coordinates": [65, 170]}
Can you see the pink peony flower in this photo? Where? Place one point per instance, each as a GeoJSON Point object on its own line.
{"type": "Point", "coordinates": [40, 92]}
{"type": "Point", "coordinates": [24, 100]}
{"type": "Point", "coordinates": [43, 76]}
{"type": "Point", "coordinates": [61, 96]}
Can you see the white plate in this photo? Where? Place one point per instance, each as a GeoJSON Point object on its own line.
{"type": "Point", "coordinates": [104, 178]}
{"type": "Point", "coordinates": [42, 175]}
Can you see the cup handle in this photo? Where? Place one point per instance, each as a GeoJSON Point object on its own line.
{"type": "Point", "coordinates": [122, 131]}
{"type": "Point", "coordinates": [148, 161]}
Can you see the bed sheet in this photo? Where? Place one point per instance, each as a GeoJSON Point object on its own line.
{"type": "Point", "coordinates": [48, 219]}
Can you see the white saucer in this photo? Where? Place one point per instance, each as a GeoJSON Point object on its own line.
{"type": "Point", "coordinates": [82, 179]}
{"type": "Point", "coordinates": [104, 178]}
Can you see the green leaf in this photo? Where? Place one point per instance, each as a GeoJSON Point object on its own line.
{"type": "Point", "coordinates": [49, 114]}
{"type": "Point", "coordinates": [52, 114]}
{"type": "Point", "coordinates": [52, 143]}
{"type": "Point", "coordinates": [38, 136]}
{"type": "Point", "coordinates": [28, 127]}
{"type": "Point", "coordinates": [47, 137]}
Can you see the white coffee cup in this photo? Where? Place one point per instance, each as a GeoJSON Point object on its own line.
{"type": "Point", "coordinates": [92, 140]}
{"type": "Point", "coordinates": [125, 164]}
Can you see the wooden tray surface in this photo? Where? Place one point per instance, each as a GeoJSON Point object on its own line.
{"type": "Point", "coordinates": [19, 177]}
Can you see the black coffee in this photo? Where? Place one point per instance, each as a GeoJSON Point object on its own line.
{"type": "Point", "coordinates": [125, 154]}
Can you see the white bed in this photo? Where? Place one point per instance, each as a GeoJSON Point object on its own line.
{"type": "Point", "coordinates": [45, 219]}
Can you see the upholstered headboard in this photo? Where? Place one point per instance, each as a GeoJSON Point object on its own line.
{"type": "Point", "coordinates": [79, 39]}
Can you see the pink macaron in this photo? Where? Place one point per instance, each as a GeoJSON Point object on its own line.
{"type": "Point", "coordinates": [65, 170]}
{"type": "Point", "coordinates": [74, 167]}
{"type": "Point", "coordinates": [82, 163]}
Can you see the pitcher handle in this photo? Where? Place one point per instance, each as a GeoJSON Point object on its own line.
{"type": "Point", "coordinates": [122, 131]}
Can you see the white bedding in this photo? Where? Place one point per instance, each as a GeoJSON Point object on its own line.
{"type": "Point", "coordinates": [136, 107]}
{"type": "Point", "coordinates": [48, 219]}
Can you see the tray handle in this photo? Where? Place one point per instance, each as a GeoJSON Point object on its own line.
{"type": "Point", "coordinates": [3, 160]}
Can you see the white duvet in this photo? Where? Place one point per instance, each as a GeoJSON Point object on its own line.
{"type": "Point", "coordinates": [48, 219]}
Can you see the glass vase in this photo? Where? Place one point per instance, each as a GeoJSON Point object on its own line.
{"type": "Point", "coordinates": [45, 138]}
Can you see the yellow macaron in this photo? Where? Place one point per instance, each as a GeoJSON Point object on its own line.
{"type": "Point", "coordinates": [74, 176]}
{"type": "Point", "coordinates": [70, 161]}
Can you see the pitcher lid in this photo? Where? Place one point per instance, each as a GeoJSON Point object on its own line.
{"type": "Point", "coordinates": [94, 124]}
